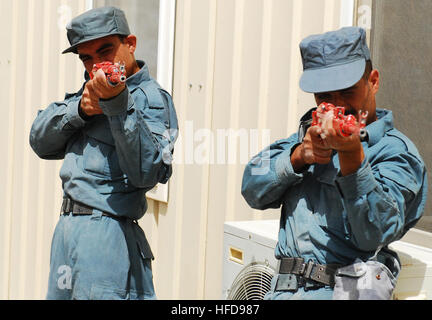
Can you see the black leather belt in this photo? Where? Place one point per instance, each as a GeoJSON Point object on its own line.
{"type": "Point", "coordinates": [295, 273]}
{"type": "Point", "coordinates": [78, 209]}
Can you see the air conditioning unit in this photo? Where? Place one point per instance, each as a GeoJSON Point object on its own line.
{"type": "Point", "coordinates": [249, 263]}
{"type": "Point", "coordinates": [415, 254]}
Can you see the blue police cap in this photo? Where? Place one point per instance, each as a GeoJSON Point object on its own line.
{"type": "Point", "coordinates": [94, 24]}
{"type": "Point", "coordinates": [334, 60]}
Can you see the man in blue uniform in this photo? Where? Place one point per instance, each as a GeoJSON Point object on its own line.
{"type": "Point", "coordinates": [117, 144]}
{"type": "Point", "coordinates": [343, 200]}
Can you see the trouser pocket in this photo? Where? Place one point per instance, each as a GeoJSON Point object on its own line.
{"type": "Point", "coordinates": [370, 280]}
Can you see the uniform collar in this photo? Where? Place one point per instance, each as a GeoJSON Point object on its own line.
{"type": "Point", "coordinates": [142, 75]}
{"type": "Point", "coordinates": [377, 129]}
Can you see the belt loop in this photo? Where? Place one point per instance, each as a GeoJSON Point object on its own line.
{"type": "Point", "coordinates": [67, 205]}
{"type": "Point", "coordinates": [302, 267]}
{"type": "Point", "coordinates": [97, 214]}
{"type": "Point", "coordinates": [62, 207]}
{"type": "Point", "coordinates": [309, 268]}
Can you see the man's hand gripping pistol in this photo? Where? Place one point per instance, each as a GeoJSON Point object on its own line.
{"type": "Point", "coordinates": [329, 116]}
{"type": "Point", "coordinates": [114, 72]}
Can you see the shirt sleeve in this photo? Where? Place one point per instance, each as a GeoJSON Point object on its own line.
{"type": "Point", "coordinates": [384, 199]}
{"type": "Point", "coordinates": [268, 175]}
{"type": "Point", "coordinates": [53, 127]}
{"type": "Point", "coordinates": [144, 137]}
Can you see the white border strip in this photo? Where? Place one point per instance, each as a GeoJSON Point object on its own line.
{"type": "Point", "coordinates": [346, 13]}
{"type": "Point", "coordinates": [165, 65]}
{"type": "Point", "coordinates": [88, 5]}
{"type": "Point", "coordinates": [166, 44]}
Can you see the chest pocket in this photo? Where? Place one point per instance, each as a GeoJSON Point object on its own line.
{"type": "Point", "coordinates": [156, 114]}
{"type": "Point", "coordinates": [328, 208]}
{"type": "Point", "coordinates": [99, 155]}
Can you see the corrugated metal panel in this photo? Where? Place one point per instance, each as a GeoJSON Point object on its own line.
{"type": "Point", "coordinates": [33, 36]}
{"type": "Point", "coordinates": [237, 66]}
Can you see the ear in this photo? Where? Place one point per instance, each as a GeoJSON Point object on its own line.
{"type": "Point", "coordinates": [131, 40]}
{"type": "Point", "coordinates": [374, 80]}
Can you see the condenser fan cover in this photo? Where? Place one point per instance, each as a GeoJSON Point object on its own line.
{"type": "Point", "coordinates": [252, 282]}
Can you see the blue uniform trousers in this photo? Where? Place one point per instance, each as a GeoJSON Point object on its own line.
{"type": "Point", "coordinates": [99, 257]}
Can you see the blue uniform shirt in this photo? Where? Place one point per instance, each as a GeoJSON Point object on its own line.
{"type": "Point", "coordinates": [110, 161]}
{"type": "Point", "coordinates": [113, 159]}
{"type": "Point", "coordinates": [333, 219]}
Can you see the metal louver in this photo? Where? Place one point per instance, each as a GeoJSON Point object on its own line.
{"type": "Point", "coordinates": [252, 282]}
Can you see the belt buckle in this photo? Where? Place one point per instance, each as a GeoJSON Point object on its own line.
{"type": "Point", "coordinates": [305, 273]}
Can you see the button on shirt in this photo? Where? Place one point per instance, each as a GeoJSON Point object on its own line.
{"type": "Point", "coordinates": [331, 218]}
{"type": "Point", "coordinates": [113, 159]}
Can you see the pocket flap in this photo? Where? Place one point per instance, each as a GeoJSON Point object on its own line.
{"type": "Point", "coordinates": [355, 270]}
{"type": "Point", "coordinates": [396, 177]}
{"type": "Point", "coordinates": [99, 129]}
{"type": "Point", "coordinates": [157, 128]}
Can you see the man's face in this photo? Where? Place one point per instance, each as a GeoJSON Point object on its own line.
{"type": "Point", "coordinates": [110, 48]}
{"type": "Point", "coordinates": [360, 97]}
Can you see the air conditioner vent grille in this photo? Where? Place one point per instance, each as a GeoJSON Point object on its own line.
{"type": "Point", "coordinates": [252, 282]}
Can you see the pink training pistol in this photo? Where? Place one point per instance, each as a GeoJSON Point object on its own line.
{"type": "Point", "coordinates": [329, 116]}
{"type": "Point", "coordinates": [114, 72]}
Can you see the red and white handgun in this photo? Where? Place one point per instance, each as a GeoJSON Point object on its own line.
{"type": "Point", "coordinates": [329, 116]}
{"type": "Point", "coordinates": [114, 72]}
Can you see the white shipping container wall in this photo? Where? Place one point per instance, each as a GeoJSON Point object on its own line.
{"type": "Point", "coordinates": [34, 74]}
{"type": "Point", "coordinates": [236, 66]}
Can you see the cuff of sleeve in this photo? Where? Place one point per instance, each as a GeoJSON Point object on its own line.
{"type": "Point", "coordinates": [357, 184]}
{"type": "Point", "coordinates": [73, 116]}
{"type": "Point", "coordinates": [116, 105]}
{"type": "Point", "coordinates": [284, 168]}
{"type": "Point", "coordinates": [82, 114]}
